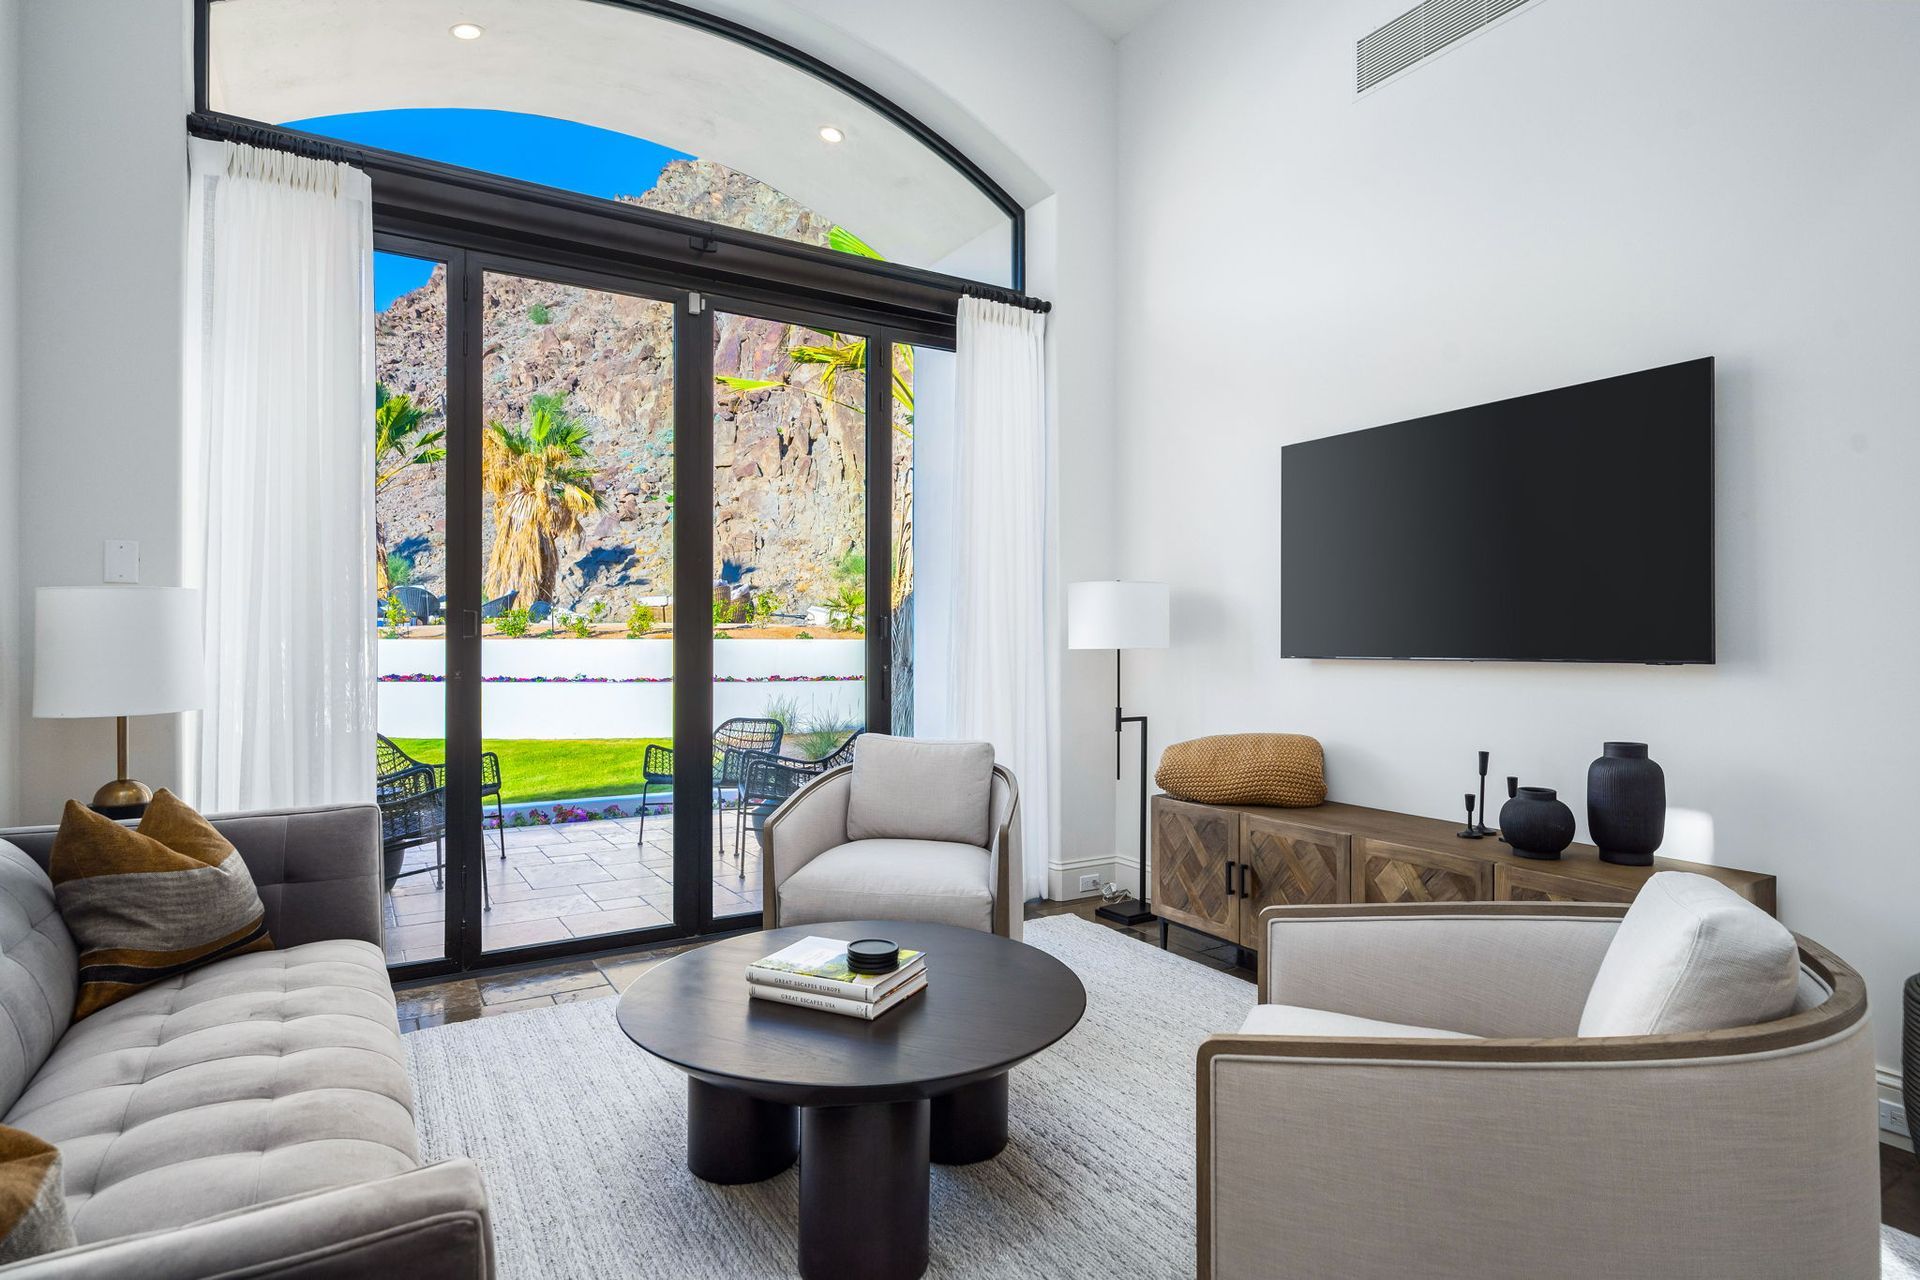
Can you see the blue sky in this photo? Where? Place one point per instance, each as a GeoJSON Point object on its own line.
{"type": "Point", "coordinates": [554, 153]}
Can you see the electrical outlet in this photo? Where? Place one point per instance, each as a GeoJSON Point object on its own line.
{"type": "Point", "coordinates": [1089, 884]}
{"type": "Point", "coordinates": [1893, 1117]}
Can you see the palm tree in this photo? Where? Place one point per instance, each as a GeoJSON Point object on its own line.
{"type": "Point", "coordinates": [542, 484]}
{"type": "Point", "coordinates": [398, 443]}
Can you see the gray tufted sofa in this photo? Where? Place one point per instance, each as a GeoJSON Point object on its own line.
{"type": "Point", "coordinates": [249, 1118]}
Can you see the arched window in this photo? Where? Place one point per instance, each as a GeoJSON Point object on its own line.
{"type": "Point", "coordinates": [617, 99]}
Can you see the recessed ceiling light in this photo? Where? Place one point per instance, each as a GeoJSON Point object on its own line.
{"type": "Point", "coordinates": [830, 134]}
{"type": "Point", "coordinates": [467, 31]}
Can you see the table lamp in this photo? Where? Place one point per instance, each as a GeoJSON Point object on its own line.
{"type": "Point", "coordinates": [116, 651]}
{"type": "Point", "coordinates": [1116, 616]}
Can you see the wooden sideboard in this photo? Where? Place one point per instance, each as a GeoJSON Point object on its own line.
{"type": "Point", "coordinates": [1216, 867]}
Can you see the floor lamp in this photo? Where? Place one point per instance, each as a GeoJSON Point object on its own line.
{"type": "Point", "coordinates": [1116, 616]}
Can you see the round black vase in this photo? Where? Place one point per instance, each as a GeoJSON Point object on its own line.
{"type": "Point", "coordinates": [1536, 823]}
{"type": "Point", "coordinates": [1626, 804]}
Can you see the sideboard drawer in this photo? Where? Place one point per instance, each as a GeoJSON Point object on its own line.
{"type": "Point", "coordinates": [1537, 882]}
{"type": "Point", "coordinates": [1387, 872]}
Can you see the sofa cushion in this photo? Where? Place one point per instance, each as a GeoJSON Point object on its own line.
{"type": "Point", "coordinates": [909, 789]}
{"type": "Point", "coordinates": [1691, 955]}
{"type": "Point", "coordinates": [1295, 1020]}
{"type": "Point", "coordinates": [933, 881]}
{"type": "Point", "coordinates": [33, 1202]}
{"type": "Point", "coordinates": [259, 1076]}
{"type": "Point", "coordinates": [149, 903]}
{"type": "Point", "coordinates": [38, 968]}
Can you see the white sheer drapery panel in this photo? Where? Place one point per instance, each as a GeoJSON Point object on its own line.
{"type": "Point", "coordinates": [997, 684]}
{"type": "Point", "coordinates": [278, 483]}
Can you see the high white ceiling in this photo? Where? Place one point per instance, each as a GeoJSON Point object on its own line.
{"type": "Point", "coordinates": [618, 69]}
{"type": "Point", "coordinates": [1118, 18]}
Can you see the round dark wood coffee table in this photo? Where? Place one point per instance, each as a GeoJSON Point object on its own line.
{"type": "Point", "coordinates": [870, 1102]}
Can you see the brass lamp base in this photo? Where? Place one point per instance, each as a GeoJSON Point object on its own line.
{"type": "Point", "coordinates": [122, 792]}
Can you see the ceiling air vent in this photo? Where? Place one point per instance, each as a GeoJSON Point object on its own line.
{"type": "Point", "coordinates": [1421, 32]}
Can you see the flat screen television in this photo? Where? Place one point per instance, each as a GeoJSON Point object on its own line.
{"type": "Point", "coordinates": [1567, 526]}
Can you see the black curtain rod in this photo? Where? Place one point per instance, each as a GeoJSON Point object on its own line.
{"type": "Point", "coordinates": [1007, 296]}
{"type": "Point", "coordinates": [222, 127]}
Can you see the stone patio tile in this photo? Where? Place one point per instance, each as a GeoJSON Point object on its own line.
{"type": "Point", "coordinates": [642, 917]}
{"type": "Point", "coordinates": [630, 887]}
{"type": "Point", "coordinates": [552, 908]}
{"type": "Point", "coordinates": [582, 872]}
{"type": "Point", "coordinates": [523, 933]}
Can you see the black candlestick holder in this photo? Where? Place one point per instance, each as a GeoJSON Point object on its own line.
{"type": "Point", "coordinates": [1473, 831]}
{"type": "Point", "coordinates": [1481, 826]}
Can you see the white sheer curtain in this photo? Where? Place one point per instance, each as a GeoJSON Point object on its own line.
{"type": "Point", "coordinates": [278, 485]}
{"type": "Point", "coordinates": [996, 688]}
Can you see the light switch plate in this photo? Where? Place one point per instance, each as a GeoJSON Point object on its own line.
{"type": "Point", "coordinates": [122, 562]}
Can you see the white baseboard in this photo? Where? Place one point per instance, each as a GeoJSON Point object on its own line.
{"type": "Point", "coordinates": [1063, 878]}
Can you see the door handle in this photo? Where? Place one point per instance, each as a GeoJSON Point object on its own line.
{"type": "Point", "coordinates": [1246, 874]}
{"type": "Point", "coordinates": [1229, 879]}
{"type": "Point", "coordinates": [471, 619]}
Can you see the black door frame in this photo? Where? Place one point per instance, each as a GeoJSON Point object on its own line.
{"type": "Point", "coordinates": [694, 398]}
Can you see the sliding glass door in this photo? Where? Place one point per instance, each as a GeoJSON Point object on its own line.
{"type": "Point", "coordinates": [643, 562]}
{"type": "Point", "coordinates": [576, 496]}
{"type": "Point", "coordinates": [790, 498]}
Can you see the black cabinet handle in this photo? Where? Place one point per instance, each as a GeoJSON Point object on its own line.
{"type": "Point", "coordinates": [1246, 875]}
{"type": "Point", "coordinates": [1229, 879]}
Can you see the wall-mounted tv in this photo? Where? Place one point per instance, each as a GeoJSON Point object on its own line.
{"type": "Point", "coordinates": [1567, 526]}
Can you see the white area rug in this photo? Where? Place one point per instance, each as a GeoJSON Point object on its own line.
{"type": "Point", "coordinates": [582, 1139]}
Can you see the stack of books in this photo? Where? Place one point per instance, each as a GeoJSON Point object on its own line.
{"type": "Point", "coordinates": [814, 974]}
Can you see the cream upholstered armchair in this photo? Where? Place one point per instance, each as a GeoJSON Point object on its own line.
{"type": "Point", "coordinates": [911, 830]}
{"type": "Point", "coordinates": [1542, 1089]}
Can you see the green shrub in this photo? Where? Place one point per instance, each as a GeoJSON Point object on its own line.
{"type": "Point", "coordinates": [399, 569]}
{"type": "Point", "coordinates": [514, 623]}
{"type": "Point", "coordinates": [540, 313]}
{"type": "Point", "coordinates": [765, 606]}
{"type": "Point", "coordinates": [722, 611]}
{"type": "Point", "coordinates": [803, 635]}
{"type": "Point", "coordinates": [639, 621]}
{"type": "Point", "coordinates": [573, 622]}
{"type": "Point", "coordinates": [396, 616]}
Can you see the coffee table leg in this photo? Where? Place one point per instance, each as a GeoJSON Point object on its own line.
{"type": "Point", "coordinates": [970, 1124]}
{"type": "Point", "coordinates": [863, 1191]}
{"type": "Point", "coordinates": [733, 1137]}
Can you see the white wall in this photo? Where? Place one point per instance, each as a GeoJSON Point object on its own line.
{"type": "Point", "coordinates": [10, 638]}
{"type": "Point", "coordinates": [1583, 190]}
{"type": "Point", "coordinates": [106, 87]}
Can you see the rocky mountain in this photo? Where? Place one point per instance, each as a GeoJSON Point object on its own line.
{"type": "Point", "coordinates": [789, 488]}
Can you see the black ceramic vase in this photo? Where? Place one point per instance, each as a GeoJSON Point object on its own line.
{"type": "Point", "coordinates": [1626, 804]}
{"type": "Point", "coordinates": [1536, 823]}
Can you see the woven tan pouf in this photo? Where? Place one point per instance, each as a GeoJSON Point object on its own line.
{"type": "Point", "coordinates": [1286, 769]}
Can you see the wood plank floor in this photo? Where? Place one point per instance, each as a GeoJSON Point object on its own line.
{"type": "Point", "coordinates": [605, 977]}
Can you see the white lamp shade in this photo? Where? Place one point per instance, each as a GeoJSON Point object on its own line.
{"type": "Point", "coordinates": [116, 651]}
{"type": "Point", "coordinates": [1117, 615]}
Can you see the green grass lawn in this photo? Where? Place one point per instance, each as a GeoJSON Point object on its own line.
{"type": "Point", "coordinates": [558, 769]}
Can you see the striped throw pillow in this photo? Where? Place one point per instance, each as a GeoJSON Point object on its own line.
{"type": "Point", "coordinates": [150, 903]}
{"type": "Point", "coordinates": [33, 1198]}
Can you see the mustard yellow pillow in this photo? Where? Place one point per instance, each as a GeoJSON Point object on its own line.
{"type": "Point", "coordinates": [151, 903]}
{"type": "Point", "coordinates": [33, 1198]}
{"type": "Point", "coordinates": [1286, 769]}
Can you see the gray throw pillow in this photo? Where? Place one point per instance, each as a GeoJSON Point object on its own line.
{"type": "Point", "coordinates": [909, 789]}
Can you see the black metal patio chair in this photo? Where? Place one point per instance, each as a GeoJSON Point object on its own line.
{"type": "Point", "coordinates": [411, 794]}
{"type": "Point", "coordinates": [771, 778]}
{"type": "Point", "coordinates": [734, 743]}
